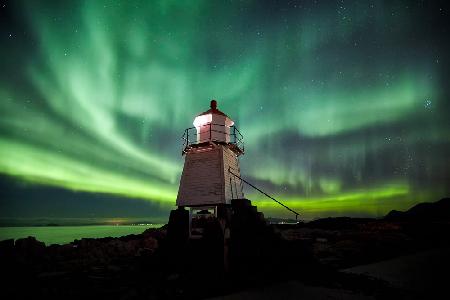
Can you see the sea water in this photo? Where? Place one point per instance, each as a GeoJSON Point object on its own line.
{"type": "Point", "coordinates": [66, 234]}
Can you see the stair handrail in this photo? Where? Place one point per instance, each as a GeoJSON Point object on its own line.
{"type": "Point", "coordinates": [265, 194]}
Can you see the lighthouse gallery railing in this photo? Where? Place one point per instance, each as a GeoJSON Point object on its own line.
{"type": "Point", "coordinates": [192, 136]}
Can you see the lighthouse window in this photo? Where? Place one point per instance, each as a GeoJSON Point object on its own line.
{"type": "Point", "coordinates": [202, 120]}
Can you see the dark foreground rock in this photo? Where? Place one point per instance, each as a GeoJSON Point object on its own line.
{"type": "Point", "coordinates": [151, 266]}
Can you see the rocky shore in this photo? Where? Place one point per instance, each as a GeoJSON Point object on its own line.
{"type": "Point", "coordinates": [150, 266]}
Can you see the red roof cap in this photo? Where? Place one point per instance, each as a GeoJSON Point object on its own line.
{"type": "Point", "coordinates": [213, 110]}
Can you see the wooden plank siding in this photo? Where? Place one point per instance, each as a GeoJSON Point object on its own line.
{"type": "Point", "coordinates": [205, 179]}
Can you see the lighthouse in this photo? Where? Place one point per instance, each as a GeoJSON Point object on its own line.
{"type": "Point", "coordinates": [211, 187]}
{"type": "Point", "coordinates": [212, 149]}
{"type": "Point", "coordinates": [210, 180]}
{"type": "Point", "coordinates": [212, 211]}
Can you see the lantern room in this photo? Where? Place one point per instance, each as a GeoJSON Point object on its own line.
{"type": "Point", "coordinates": [213, 125]}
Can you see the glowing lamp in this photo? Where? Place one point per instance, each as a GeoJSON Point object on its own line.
{"type": "Point", "coordinates": [201, 120]}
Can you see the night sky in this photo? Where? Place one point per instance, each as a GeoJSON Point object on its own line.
{"type": "Point", "coordinates": [344, 106]}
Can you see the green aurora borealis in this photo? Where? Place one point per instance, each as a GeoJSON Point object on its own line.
{"type": "Point", "coordinates": [343, 105]}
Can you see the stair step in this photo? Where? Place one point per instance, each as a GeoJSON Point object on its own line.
{"type": "Point", "coordinates": [241, 202]}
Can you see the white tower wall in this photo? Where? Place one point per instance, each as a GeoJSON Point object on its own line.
{"type": "Point", "coordinates": [206, 179]}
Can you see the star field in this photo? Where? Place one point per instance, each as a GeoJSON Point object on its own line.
{"type": "Point", "coordinates": [343, 105]}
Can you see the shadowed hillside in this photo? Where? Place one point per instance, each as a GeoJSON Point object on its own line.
{"type": "Point", "coordinates": [435, 211]}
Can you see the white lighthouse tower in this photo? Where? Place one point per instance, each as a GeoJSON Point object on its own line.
{"type": "Point", "coordinates": [211, 175]}
{"type": "Point", "coordinates": [211, 149]}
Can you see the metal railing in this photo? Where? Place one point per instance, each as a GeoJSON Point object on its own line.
{"type": "Point", "coordinates": [265, 194]}
{"type": "Point", "coordinates": [206, 133]}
